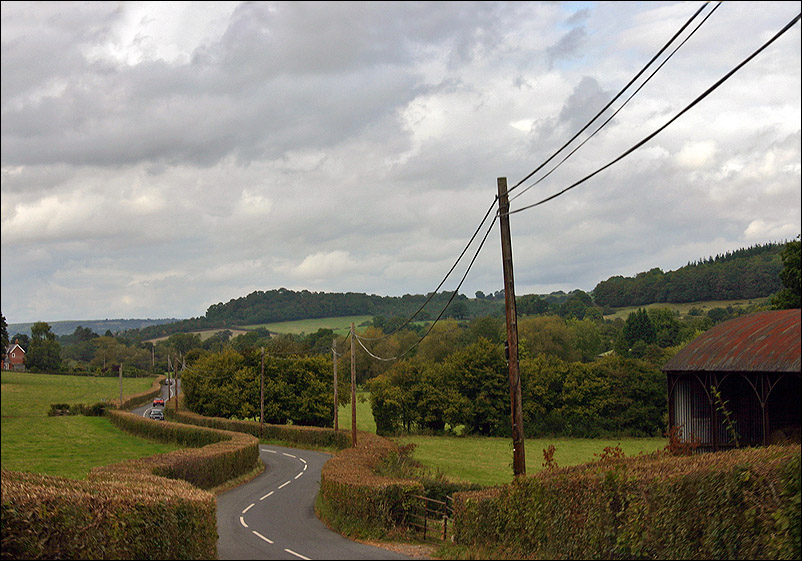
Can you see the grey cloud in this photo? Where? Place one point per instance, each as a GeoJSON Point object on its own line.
{"type": "Point", "coordinates": [567, 47]}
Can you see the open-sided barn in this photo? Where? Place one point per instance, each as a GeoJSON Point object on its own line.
{"type": "Point", "coordinates": [753, 362]}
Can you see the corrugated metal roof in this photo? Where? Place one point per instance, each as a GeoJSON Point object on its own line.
{"type": "Point", "coordinates": [760, 342]}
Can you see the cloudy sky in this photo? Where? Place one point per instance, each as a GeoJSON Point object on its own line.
{"type": "Point", "coordinates": [161, 157]}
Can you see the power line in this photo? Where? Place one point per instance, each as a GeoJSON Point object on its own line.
{"type": "Point", "coordinates": [434, 293]}
{"type": "Point", "coordinates": [453, 294]}
{"type": "Point", "coordinates": [710, 90]}
{"type": "Point", "coordinates": [619, 94]}
{"type": "Point", "coordinates": [611, 117]}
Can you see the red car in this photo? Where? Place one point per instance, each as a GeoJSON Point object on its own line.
{"type": "Point", "coordinates": [158, 402]}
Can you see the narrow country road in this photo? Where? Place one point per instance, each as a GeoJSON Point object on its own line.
{"type": "Point", "coordinates": [273, 516]}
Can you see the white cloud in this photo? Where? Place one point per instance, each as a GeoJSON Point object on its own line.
{"type": "Point", "coordinates": [695, 155]}
{"type": "Point", "coordinates": [160, 157]}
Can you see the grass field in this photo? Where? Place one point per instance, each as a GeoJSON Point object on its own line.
{"type": "Point", "coordinates": [488, 460]}
{"type": "Point", "coordinates": [340, 325]}
{"type": "Point", "coordinates": [65, 446]}
{"type": "Point", "coordinates": [684, 308]}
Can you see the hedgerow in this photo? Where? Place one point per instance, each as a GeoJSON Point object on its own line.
{"type": "Point", "coordinates": [359, 501]}
{"type": "Point", "coordinates": [739, 504]}
{"type": "Point", "coordinates": [148, 508]}
{"type": "Point", "coordinates": [294, 434]}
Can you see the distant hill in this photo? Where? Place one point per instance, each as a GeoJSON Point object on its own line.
{"type": "Point", "coordinates": [752, 272]}
{"type": "Point", "coordinates": [748, 273]}
{"type": "Point", "coordinates": [99, 326]}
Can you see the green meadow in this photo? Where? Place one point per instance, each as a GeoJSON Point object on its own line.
{"type": "Point", "coordinates": [71, 446]}
{"type": "Point", "coordinates": [65, 446]}
{"type": "Point", "coordinates": [488, 460]}
{"type": "Point", "coordinates": [340, 325]}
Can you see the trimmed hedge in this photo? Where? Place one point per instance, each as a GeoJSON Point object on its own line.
{"type": "Point", "coordinates": [739, 504]}
{"type": "Point", "coordinates": [357, 497]}
{"type": "Point", "coordinates": [137, 517]}
{"type": "Point", "coordinates": [131, 401]}
{"type": "Point", "coordinates": [224, 455]}
{"type": "Point", "coordinates": [148, 508]}
{"type": "Point", "coordinates": [294, 434]}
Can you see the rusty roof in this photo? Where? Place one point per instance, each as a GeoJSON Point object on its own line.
{"type": "Point", "coordinates": [759, 342]}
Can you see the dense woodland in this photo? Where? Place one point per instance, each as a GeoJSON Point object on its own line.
{"type": "Point", "coordinates": [582, 374]}
{"type": "Point", "coordinates": [751, 272]}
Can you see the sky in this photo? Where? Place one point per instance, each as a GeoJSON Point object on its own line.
{"type": "Point", "coordinates": [162, 157]}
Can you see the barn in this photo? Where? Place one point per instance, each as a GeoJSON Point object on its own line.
{"type": "Point", "coordinates": [738, 384]}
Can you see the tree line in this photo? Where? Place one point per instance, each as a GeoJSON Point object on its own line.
{"type": "Point", "coordinates": [747, 273]}
{"type": "Point", "coordinates": [582, 374]}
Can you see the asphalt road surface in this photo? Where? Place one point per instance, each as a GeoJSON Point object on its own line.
{"type": "Point", "coordinates": [273, 516]}
{"type": "Point", "coordinates": [166, 393]}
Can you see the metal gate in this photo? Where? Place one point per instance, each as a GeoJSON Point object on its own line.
{"type": "Point", "coordinates": [433, 519]}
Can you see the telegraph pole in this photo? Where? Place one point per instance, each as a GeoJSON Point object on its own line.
{"type": "Point", "coordinates": [336, 406]}
{"type": "Point", "coordinates": [353, 387]}
{"type": "Point", "coordinates": [121, 385]}
{"type": "Point", "coordinates": [175, 382]}
{"type": "Point", "coordinates": [262, 396]}
{"type": "Point", "coordinates": [516, 413]}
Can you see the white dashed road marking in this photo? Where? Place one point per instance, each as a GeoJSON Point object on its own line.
{"type": "Point", "coordinates": [248, 508]}
{"type": "Point", "coordinates": [291, 552]}
{"type": "Point", "coordinates": [258, 535]}
{"type": "Point", "coordinates": [270, 493]}
{"type": "Point", "coordinates": [284, 484]}
{"type": "Point", "coordinates": [242, 521]}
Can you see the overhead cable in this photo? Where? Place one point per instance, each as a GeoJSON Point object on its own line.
{"type": "Point", "coordinates": [610, 118]}
{"type": "Point", "coordinates": [432, 294]}
{"type": "Point", "coordinates": [453, 294]}
{"type": "Point", "coordinates": [710, 90]}
{"type": "Point", "coordinates": [619, 94]}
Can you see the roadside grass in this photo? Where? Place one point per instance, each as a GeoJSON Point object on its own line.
{"type": "Point", "coordinates": [65, 446]}
{"type": "Point", "coordinates": [685, 307]}
{"type": "Point", "coordinates": [340, 325]}
{"type": "Point", "coordinates": [488, 460]}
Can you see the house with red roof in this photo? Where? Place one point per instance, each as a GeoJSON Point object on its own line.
{"type": "Point", "coordinates": [15, 358]}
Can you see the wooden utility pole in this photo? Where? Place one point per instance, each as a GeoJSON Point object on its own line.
{"type": "Point", "coordinates": [175, 383]}
{"type": "Point", "coordinates": [334, 361]}
{"type": "Point", "coordinates": [353, 386]}
{"type": "Point", "coordinates": [262, 397]}
{"type": "Point", "coordinates": [121, 386]}
{"type": "Point", "coordinates": [518, 456]}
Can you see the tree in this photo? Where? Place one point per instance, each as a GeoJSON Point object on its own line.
{"type": "Point", "coordinates": [546, 335]}
{"type": "Point", "coordinates": [789, 297]}
{"type": "Point", "coordinates": [531, 305]}
{"type": "Point", "coordinates": [44, 353]}
{"type": "Point", "coordinates": [639, 327]}
{"type": "Point", "coordinates": [3, 335]}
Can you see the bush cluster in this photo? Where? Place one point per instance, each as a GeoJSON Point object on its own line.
{"type": "Point", "coordinates": [739, 504]}
{"type": "Point", "coordinates": [95, 410]}
{"type": "Point", "coordinates": [612, 396]}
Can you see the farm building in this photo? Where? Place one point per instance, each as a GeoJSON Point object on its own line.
{"type": "Point", "coordinates": [15, 358]}
{"type": "Point", "coordinates": [753, 363]}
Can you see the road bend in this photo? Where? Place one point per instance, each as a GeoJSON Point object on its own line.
{"type": "Point", "coordinates": [273, 515]}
